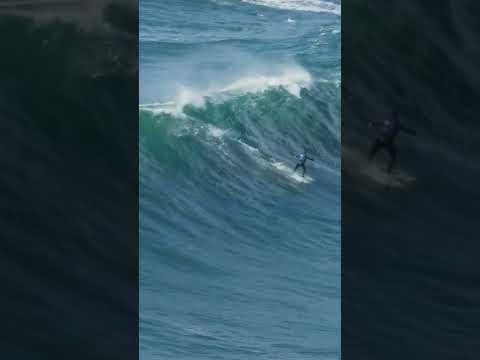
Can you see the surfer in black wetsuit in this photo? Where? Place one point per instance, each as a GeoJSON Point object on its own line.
{"type": "Point", "coordinates": [302, 158]}
{"type": "Point", "coordinates": [389, 129]}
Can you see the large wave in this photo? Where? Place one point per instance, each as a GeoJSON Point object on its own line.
{"type": "Point", "coordinates": [228, 100]}
{"type": "Point", "coordinates": [292, 79]}
{"type": "Point", "coordinates": [249, 129]}
{"type": "Point", "coordinates": [218, 197]}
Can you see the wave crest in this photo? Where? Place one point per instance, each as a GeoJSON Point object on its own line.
{"type": "Point", "coordinates": [291, 79]}
{"type": "Point", "coordinates": [299, 5]}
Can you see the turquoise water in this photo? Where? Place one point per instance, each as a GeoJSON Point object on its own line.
{"type": "Point", "coordinates": [239, 256]}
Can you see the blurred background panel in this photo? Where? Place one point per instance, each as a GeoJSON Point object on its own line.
{"type": "Point", "coordinates": [69, 209]}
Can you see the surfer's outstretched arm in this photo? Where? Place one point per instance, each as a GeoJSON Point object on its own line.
{"type": "Point", "coordinates": [408, 130]}
{"type": "Point", "coordinates": [309, 158]}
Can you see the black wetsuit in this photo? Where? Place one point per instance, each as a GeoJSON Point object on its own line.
{"type": "Point", "coordinates": [386, 139]}
{"type": "Point", "coordinates": [302, 158]}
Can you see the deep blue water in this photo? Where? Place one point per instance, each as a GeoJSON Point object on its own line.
{"type": "Point", "coordinates": [239, 256]}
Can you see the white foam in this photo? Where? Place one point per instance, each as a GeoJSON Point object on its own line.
{"type": "Point", "coordinates": [183, 97]}
{"type": "Point", "coordinates": [300, 5]}
{"type": "Point", "coordinates": [254, 153]}
{"type": "Point", "coordinates": [222, 2]}
{"type": "Point", "coordinates": [249, 148]}
{"type": "Point", "coordinates": [187, 96]}
{"type": "Point", "coordinates": [292, 79]}
{"type": "Point", "coordinates": [290, 20]}
{"type": "Point", "coordinates": [216, 132]}
{"type": "Point", "coordinates": [160, 107]}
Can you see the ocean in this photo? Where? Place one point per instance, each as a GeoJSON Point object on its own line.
{"type": "Point", "coordinates": [239, 255]}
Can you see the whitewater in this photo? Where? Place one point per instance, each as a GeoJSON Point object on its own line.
{"type": "Point", "coordinates": [239, 255]}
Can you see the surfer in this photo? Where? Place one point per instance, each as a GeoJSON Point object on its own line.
{"type": "Point", "coordinates": [389, 129]}
{"type": "Point", "coordinates": [302, 158]}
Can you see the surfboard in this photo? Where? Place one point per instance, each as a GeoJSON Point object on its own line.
{"type": "Point", "coordinates": [288, 171]}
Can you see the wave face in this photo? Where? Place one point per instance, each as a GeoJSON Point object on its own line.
{"type": "Point", "coordinates": [240, 257]}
